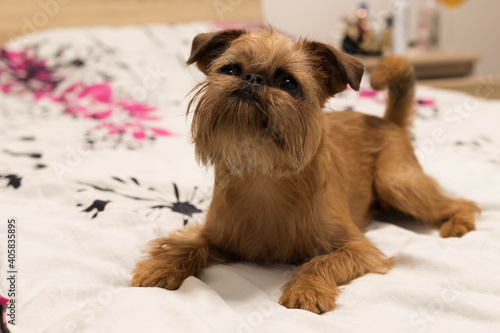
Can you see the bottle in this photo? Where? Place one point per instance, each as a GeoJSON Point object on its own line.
{"type": "Point", "coordinates": [387, 37]}
{"type": "Point", "coordinates": [428, 26]}
{"type": "Point", "coordinates": [400, 28]}
{"type": "Point", "coordinates": [435, 25]}
{"type": "Point", "coordinates": [362, 15]}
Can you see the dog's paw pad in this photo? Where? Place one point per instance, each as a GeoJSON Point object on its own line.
{"type": "Point", "coordinates": [310, 299]}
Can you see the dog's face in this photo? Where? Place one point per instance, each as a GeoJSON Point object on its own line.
{"type": "Point", "coordinates": [259, 110]}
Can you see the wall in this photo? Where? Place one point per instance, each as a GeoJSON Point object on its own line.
{"type": "Point", "coordinates": [477, 23]}
{"type": "Point", "coordinates": [19, 17]}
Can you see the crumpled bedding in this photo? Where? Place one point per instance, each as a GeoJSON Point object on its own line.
{"type": "Point", "coordinates": [95, 161]}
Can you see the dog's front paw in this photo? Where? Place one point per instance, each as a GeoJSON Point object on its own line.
{"type": "Point", "coordinates": [317, 300]}
{"type": "Point", "coordinates": [157, 273]}
{"type": "Point", "coordinates": [172, 259]}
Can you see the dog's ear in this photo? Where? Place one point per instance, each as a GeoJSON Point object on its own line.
{"type": "Point", "coordinates": [335, 69]}
{"type": "Point", "coordinates": [209, 46]}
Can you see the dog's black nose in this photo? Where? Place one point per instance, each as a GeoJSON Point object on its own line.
{"type": "Point", "coordinates": [254, 80]}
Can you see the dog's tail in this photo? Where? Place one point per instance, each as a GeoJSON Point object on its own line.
{"type": "Point", "coordinates": [397, 74]}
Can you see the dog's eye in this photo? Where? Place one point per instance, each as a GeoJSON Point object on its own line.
{"type": "Point", "coordinates": [290, 85]}
{"type": "Point", "coordinates": [230, 70]}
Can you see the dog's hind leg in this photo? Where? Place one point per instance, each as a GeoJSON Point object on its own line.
{"type": "Point", "coordinates": [174, 258]}
{"type": "Point", "coordinates": [401, 183]}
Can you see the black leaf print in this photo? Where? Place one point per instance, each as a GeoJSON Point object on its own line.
{"type": "Point", "coordinates": [37, 166]}
{"type": "Point", "coordinates": [118, 179]}
{"type": "Point", "coordinates": [99, 188]}
{"type": "Point", "coordinates": [77, 62]}
{"type": "Point", "coordinates": [176, 191]}
{"type": "Point", "coordinates": [98, 205]}
{"type": "Point", "coordinates": [14, 181]}
{"type": "Point", "coordinates": [186, 208]}
{"type": "Point", "coordinates": [32, 155]}
{"type": "Point", "coordinates": [482, 147]}
{"type": "Point", "coordinates": [124, 182]}
{"type": "Point", "coordinates": [111, 190]}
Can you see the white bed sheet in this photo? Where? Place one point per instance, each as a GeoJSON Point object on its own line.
{"type": "Point", "coordinates": [74, 266]}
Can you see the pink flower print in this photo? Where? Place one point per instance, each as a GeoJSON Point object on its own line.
{"type": "Point", "coordinates": [140, 134]}
{"type": "Point", "coordinates": [94, 101]}
{"type": "Point", "coordinates": [368, 93]}
{"type": "Point", "coordinates": [116, 117]}
{"type": "Point", "coordinates": [160, 131]}
{"type": "Point", "coordinates": [99, 92]}
{"type": "Point", "coordinates": [22, 71]}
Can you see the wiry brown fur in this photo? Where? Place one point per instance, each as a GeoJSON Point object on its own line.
{"type": "Point", "coordinates": [294, 184]}
{"type": "Point", "coordinates": [397, 75]}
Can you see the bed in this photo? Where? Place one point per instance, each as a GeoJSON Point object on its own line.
{"type": "Point", "coordinates": [95, 161]}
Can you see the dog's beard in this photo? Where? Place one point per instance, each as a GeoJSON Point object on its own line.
{"type": "Point", "coordinates": [254, 131]}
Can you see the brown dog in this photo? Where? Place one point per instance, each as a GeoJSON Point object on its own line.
{"type": "Point", "coordinates": [293, 184]}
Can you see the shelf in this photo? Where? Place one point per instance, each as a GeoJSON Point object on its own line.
{"type": "Point", "coordinates": [479, 86]}
{"type": "Point", "coordinates": [433, 64]}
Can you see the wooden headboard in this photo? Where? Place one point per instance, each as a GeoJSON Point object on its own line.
{"type": "Point", "coordinates": [18, 17]}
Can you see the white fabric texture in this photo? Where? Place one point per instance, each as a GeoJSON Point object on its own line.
{"type": "Point", "coordinates": [75, 266]}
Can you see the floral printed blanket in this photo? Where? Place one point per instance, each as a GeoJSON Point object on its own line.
{"type": "Point", "coordinates": [96, 160]}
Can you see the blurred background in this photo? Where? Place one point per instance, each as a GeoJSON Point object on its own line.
{"type": "Point", "coordinates": [452, 43]}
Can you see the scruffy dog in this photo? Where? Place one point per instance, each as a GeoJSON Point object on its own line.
{"type": "Point", "coordinates": [294, 184]}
